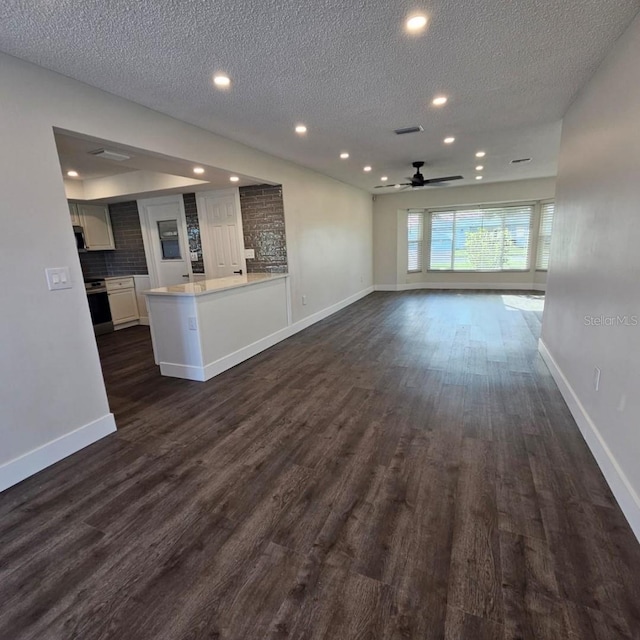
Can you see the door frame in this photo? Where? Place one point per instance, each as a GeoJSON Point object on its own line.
{"type": "Point", "coordinates": [205, 235]}
{"type": "Point", "coordinates": [147, 240]}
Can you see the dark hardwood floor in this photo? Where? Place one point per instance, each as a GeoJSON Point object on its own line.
{"type": "Point", "coordinates": [404, 469]}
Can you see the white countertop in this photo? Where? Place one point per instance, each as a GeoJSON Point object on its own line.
{"type": "Point", "coordinates": [206, 287]}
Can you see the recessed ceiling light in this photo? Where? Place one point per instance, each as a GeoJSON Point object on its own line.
{"type": "Point", "coordinates": [234, 178]}
{"type": "Point", "coordinates": [384, 178]}
{"type": "Point", "coordinates": [416, 23]}
{"type": "Point", "coordinates": [479, 167]}
{"type": "Point", "coordinates": [300, 128]}
{"type": "Point", "coordinates": [221, 80]}
{"type": "Point", "coordinates": [438, 101]}
{"type": "Point", "coordinates": [72, 174]}
{"type": "Point", "coordinates": [481, 154]}
{"type": "Point", "coordinates": [198, 170]}
{"type": "Point", "coordinates": [449, 140]}
{"type": "Point", "coordinates": [367, 168]}
{"type": "Point", "coordinates": [344, 155]}
{"type": "Point", "coordinates": [478, 177]}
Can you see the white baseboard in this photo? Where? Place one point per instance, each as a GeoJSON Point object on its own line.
{"type": "Point", "coordinates": [145, 321]}
{"type": "Point", "coordinates": [328, 311]}
{"type": "Point", "coordinates": [385, 287]}
{"type": "Point", "coordinates": [460, 285]}
{"type": "Point", "coordinates": [126, 325]}
{"type": "Point", "coordinates": [212, 369]}
{"type": "Point", "coordinates": [29, 463]}
{"type": "Point", "coordinates": [184, 371]}
{"type": "Point", "coordinates": [617, 480]}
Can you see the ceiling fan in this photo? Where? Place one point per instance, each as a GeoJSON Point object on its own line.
{"type": "Point", "coordinates": [418, 180]}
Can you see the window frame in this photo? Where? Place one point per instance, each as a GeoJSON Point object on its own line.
{"type": "Point", "coordinates": [421, 243]}
{"type": "Point", "coordinates": [494, 205]}
{"type": "Point", "coordinates": [541, 205]}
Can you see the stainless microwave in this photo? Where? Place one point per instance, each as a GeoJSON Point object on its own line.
{"type": "Point", "coordinates": [78, 232]}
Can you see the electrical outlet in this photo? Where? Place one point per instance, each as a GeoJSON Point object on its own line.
{"type": "Point", "coordinates": [192, 324]}
{"type": "Point", "coordinates": [304, 299]}
{"type": "Point", "coordinates": [596, 379]}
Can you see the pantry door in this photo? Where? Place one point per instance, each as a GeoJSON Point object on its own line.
{"type": "Point", "coordinates": [164, 232]}
{"type": "Point", "coordinates": [221, 233]}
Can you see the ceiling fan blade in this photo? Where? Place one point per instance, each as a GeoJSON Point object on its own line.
{"type": "Point", "coordinates": [445, 179]}
{"type": "Point", "coordinates": [386, 186]}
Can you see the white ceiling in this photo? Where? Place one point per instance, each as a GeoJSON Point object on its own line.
{"type": "Point", "coordinates": [74, 152]}
{"type": "Point", "coordinates": [345, 69]}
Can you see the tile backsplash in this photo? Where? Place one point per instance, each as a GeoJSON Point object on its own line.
{"type": "Point", "coordinates": [128, 258]}
{"type": "Point", "coordinates": [93, 264]}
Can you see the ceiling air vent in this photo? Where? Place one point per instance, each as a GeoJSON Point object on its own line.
{"type": "Point", "coordinates": [110, 155]}
{"type": "Point", "coordinates": [401, 132]}
{"type": "Point", "coordinates": [521, 161]}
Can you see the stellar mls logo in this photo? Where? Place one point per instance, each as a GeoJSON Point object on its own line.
{"type": "Point", "coordinates": [611, 321]}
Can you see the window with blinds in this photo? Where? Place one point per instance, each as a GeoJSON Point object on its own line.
{"type": "Point", "coordinates": [481, 239]}
{"type": "Point", "coordinates": [415, 233]}
{"type": "Point", "coordinates": [544, 236]}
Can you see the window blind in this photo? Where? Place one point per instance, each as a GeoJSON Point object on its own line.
{"type": "Point", "coordinates": [544, 236]}
{"type": "Point", "coordinates": [481, 239]}
{"type": "Point", "coordinates": [415, 234]}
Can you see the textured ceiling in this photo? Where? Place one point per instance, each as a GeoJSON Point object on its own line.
{"type": "Point", "coordinates": [345, 69]}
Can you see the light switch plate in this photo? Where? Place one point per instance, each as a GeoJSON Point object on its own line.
{"type": "Point", "coordinates": [58, 278]}
{"type": "Point", "coordinates": [249, 254]}
{"type": "Point", "coordinates": [194, 255]}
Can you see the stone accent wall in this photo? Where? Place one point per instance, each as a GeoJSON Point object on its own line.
{"type": "Point", "coordinates": [129, 257]}
{"type": "Point", "coordinates": [193, 230]}
{"type": "Point", "coordinates": [263, 227]}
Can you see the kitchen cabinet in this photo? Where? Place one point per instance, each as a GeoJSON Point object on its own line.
{"type": "Point", "coordinates": [122, 300]}
{"type": "Point", "coordinates": [75, 218]}
{"type": "Point", "coordinates": [96, 222]}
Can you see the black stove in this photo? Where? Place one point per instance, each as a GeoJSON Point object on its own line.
{"type": "Point", "coordinates": [99, 305]}
{"type": "Point", "coordinates": [93, 284]}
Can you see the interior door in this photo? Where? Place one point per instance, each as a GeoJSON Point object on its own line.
{"type": "Point", "coordinates": [221, 232]}
{"type": "Point", "coordinates": [165, 238]}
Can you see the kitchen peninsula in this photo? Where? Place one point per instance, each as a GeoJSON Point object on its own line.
{"type": "Point", "coordinates": [200, 329]}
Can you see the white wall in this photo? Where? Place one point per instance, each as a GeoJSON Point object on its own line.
{"type": "Point", "coordinates": [595, 268]}
{"type": "Point", "coordinates": [389, 231]}
{"type": "Point", "coordinates": [50, 377]}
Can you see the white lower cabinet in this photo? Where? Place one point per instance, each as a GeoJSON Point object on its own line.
{"type": "Point", "coordinates": [122, 300]}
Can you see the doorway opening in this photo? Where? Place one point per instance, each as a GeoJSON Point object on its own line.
{"type": "Point", "coordinates": [144, 220]}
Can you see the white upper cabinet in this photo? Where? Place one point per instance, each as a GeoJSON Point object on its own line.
{"type": "Point", "coordinates": [95, 220]}
{"type": "Point", "coordinates": [73, 210]}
